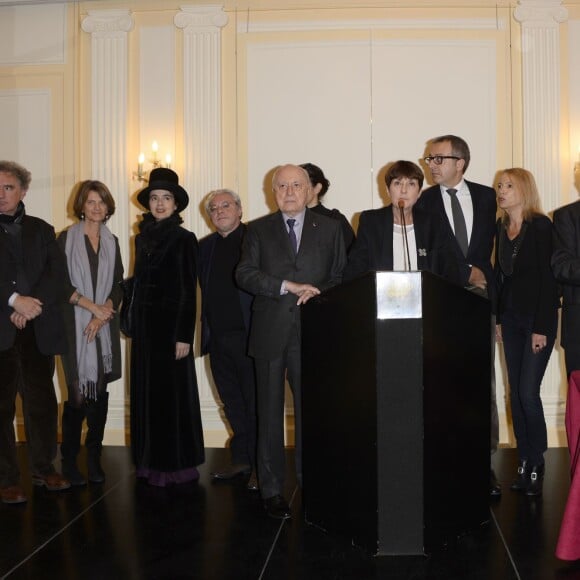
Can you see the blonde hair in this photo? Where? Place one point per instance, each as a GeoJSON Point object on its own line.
{"type": "Point", "coordinates": [526, 184]}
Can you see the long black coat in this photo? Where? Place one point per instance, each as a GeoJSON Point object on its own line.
{"type": "Point", "coordinates": [166, 429]}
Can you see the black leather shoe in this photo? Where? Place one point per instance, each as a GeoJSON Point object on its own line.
{"type": "Point", "coordinates": [536, 484]}
{"type": "Point", "coordinates": [231, 472]}
{"type": "Point", "coordinates": [252, 484]}
{"type": "Point", "coordinates": [494, 486]}
{"type": "Point", "coordinates": [277, 507]}
{"type": "Point", "coordinates": [522, 481]}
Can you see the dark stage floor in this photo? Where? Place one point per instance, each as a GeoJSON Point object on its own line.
{"type": "Point", "coordinates": [128, 530]}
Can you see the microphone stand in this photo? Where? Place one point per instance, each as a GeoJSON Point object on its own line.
{"type": "Point", "coordinates": [401, 205]}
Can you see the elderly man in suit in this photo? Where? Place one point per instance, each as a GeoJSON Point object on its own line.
{"type": "Point", "coordinates": [566, 267]}
{"type": "Point", "coordinates": [31, 333]}
{"type": "Point", "coordinates": [287, 258]}
{"type": "Point", "coordinates": [225, 326]}
{"type": "Point", "coordinates": [468, 209]}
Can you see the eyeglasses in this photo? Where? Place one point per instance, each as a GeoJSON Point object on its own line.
{"type": "Point", "coordinates": [438, 159]}
{"type": "Point", "coordinates": [225, 205]}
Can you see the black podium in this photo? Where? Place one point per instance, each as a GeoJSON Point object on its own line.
{"type": "Point", "coordinates": [396, 377]}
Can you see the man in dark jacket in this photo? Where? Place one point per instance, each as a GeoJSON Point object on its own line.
{"type": "Point", "coordinates": [31, 333]}
{"type": "Point", "coordinates": [566, 267]}
{"type": "Point", "coordinates": [225, 318]}
{"type": "Point", "coordinates": [287, 258]}
{"type": "Point", "coordinates": [468, 209]}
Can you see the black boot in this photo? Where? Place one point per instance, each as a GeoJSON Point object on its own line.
{"type": "Point", "coordinates": [72, 424]}
{"type": "Point", "coordinates": [96, 419]}
{"type": "Point", "coordinates": [522, 481]}
{"type": "Point", "coordinates": [536, 484]}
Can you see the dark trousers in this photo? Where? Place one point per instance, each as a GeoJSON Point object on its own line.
{"type": "Point", "coordinates": [525, 372]}
{"type": "Point", "coordinates": [270, 375]}
{"type": "Point", "coordinates": [24, 370]}
{"type": "Point", "coordinates": [233, 374]}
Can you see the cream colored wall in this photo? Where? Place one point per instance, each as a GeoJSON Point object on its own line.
{"type": "Point", "coordinates": [346, 87]}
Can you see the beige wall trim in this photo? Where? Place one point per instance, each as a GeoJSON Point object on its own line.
{"type": "Point", "coordinates": [374, 24]}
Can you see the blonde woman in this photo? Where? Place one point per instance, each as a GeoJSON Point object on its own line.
{"type": "Point", "coordinates": [526, 315]}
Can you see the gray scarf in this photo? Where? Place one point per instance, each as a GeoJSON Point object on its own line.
{"type": "Point", "coordinates": [80, 276]}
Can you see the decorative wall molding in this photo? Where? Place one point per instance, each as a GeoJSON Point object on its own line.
{"type": "Point", "coordinates": [374, 24]}
{"type": "Point", "coordinates": [107, 22]}
{"type": "Point", "coordinates": [208, 16]}
{"type": "Point", "coordinates": [540, 13]}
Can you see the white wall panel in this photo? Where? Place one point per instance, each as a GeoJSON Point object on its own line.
{"type": "Point", "coordinates": [33, 35]}
{"type": "Point", "coordinates": [25, 138]}
{"type": "Point", "coordinates": [157, 91]}
{"type": "Point", "coordinates": [422, 89]}
{"type": "Point", "coordinates": [310, 103]}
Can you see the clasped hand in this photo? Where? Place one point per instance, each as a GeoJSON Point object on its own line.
{"type": "Point", "coordinates": [304, 291]}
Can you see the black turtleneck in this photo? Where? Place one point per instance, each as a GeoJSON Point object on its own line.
{"type": "Point", "coordinates": [223, 308]}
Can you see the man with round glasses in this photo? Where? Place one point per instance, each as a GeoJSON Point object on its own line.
{"type": "Point", "coordinates": [225, 319]}
{"type": "Point", "coordinates": [469, 210]}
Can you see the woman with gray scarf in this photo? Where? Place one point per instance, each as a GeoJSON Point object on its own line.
{"type": "Point", "coordinates": [94, 356]}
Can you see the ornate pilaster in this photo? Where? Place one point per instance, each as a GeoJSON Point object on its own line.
{"type": "Point", "coordinates": [202, 171]}
{"type": "Point", "coordinates": [540, 20]}
{"type": "Point", "coordinates": [109, 64]}
{"type": "Point", "coordinates": [201, 27]}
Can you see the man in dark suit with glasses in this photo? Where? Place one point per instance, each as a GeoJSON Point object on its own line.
{"type": "Point", "coordinates": [469, 211]}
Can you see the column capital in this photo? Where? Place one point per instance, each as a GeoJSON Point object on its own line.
{"type": "Point", "coordinates": [107, 21]}
{"type": "Point", "coordinates": [540, 12]}
{"type": "Point", "coordinates": [203, 16]}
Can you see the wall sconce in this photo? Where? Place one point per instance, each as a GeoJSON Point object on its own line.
{"type": "Point", "coordinates": [577, 164]}
{"type": "Point", "coordinates": [141, 174]}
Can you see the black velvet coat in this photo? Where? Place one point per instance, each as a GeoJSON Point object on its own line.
{"type": "Point", "coordinates": [166, 429]}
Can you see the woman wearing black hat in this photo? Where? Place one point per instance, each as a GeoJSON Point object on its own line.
{"type": "Point", "coordinates": [166, 431]}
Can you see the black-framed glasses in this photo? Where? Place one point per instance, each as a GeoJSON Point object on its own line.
{"type": "Point", "coordinates": [438, 159]}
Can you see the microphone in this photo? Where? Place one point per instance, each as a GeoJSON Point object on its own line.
{"type": "Point", "coordinates": [401, 205]}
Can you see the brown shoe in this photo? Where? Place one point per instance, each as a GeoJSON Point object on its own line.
{"type": "Point", "coordinates": [12, 494]}
{"type": "Point", "coordinates": [52, 481]}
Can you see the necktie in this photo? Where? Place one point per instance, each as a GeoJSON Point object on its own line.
{"type": "Point", "coordinates": [458, 221]}
{"type": "Point", "coordinates": [292, 234]}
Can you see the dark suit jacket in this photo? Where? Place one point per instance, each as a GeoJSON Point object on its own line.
{"type": "Point", "coordinates": [534, 287]}
{"type": "Point", "coordinates": [44, 265]}
{"type": "Point", "coordinates": [268, 259]}
{"type": "Point", "coordinates": [481, 240]}
{"type": "Point", "coordinates": [206, 248]}
{"type": "Point", "coordinates": [566, 268]}
{"type": "Point", "coordinates": [373, 248]}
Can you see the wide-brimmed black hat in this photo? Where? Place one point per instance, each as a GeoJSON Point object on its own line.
{"type": "Point", "coordinates": [166, 179]}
